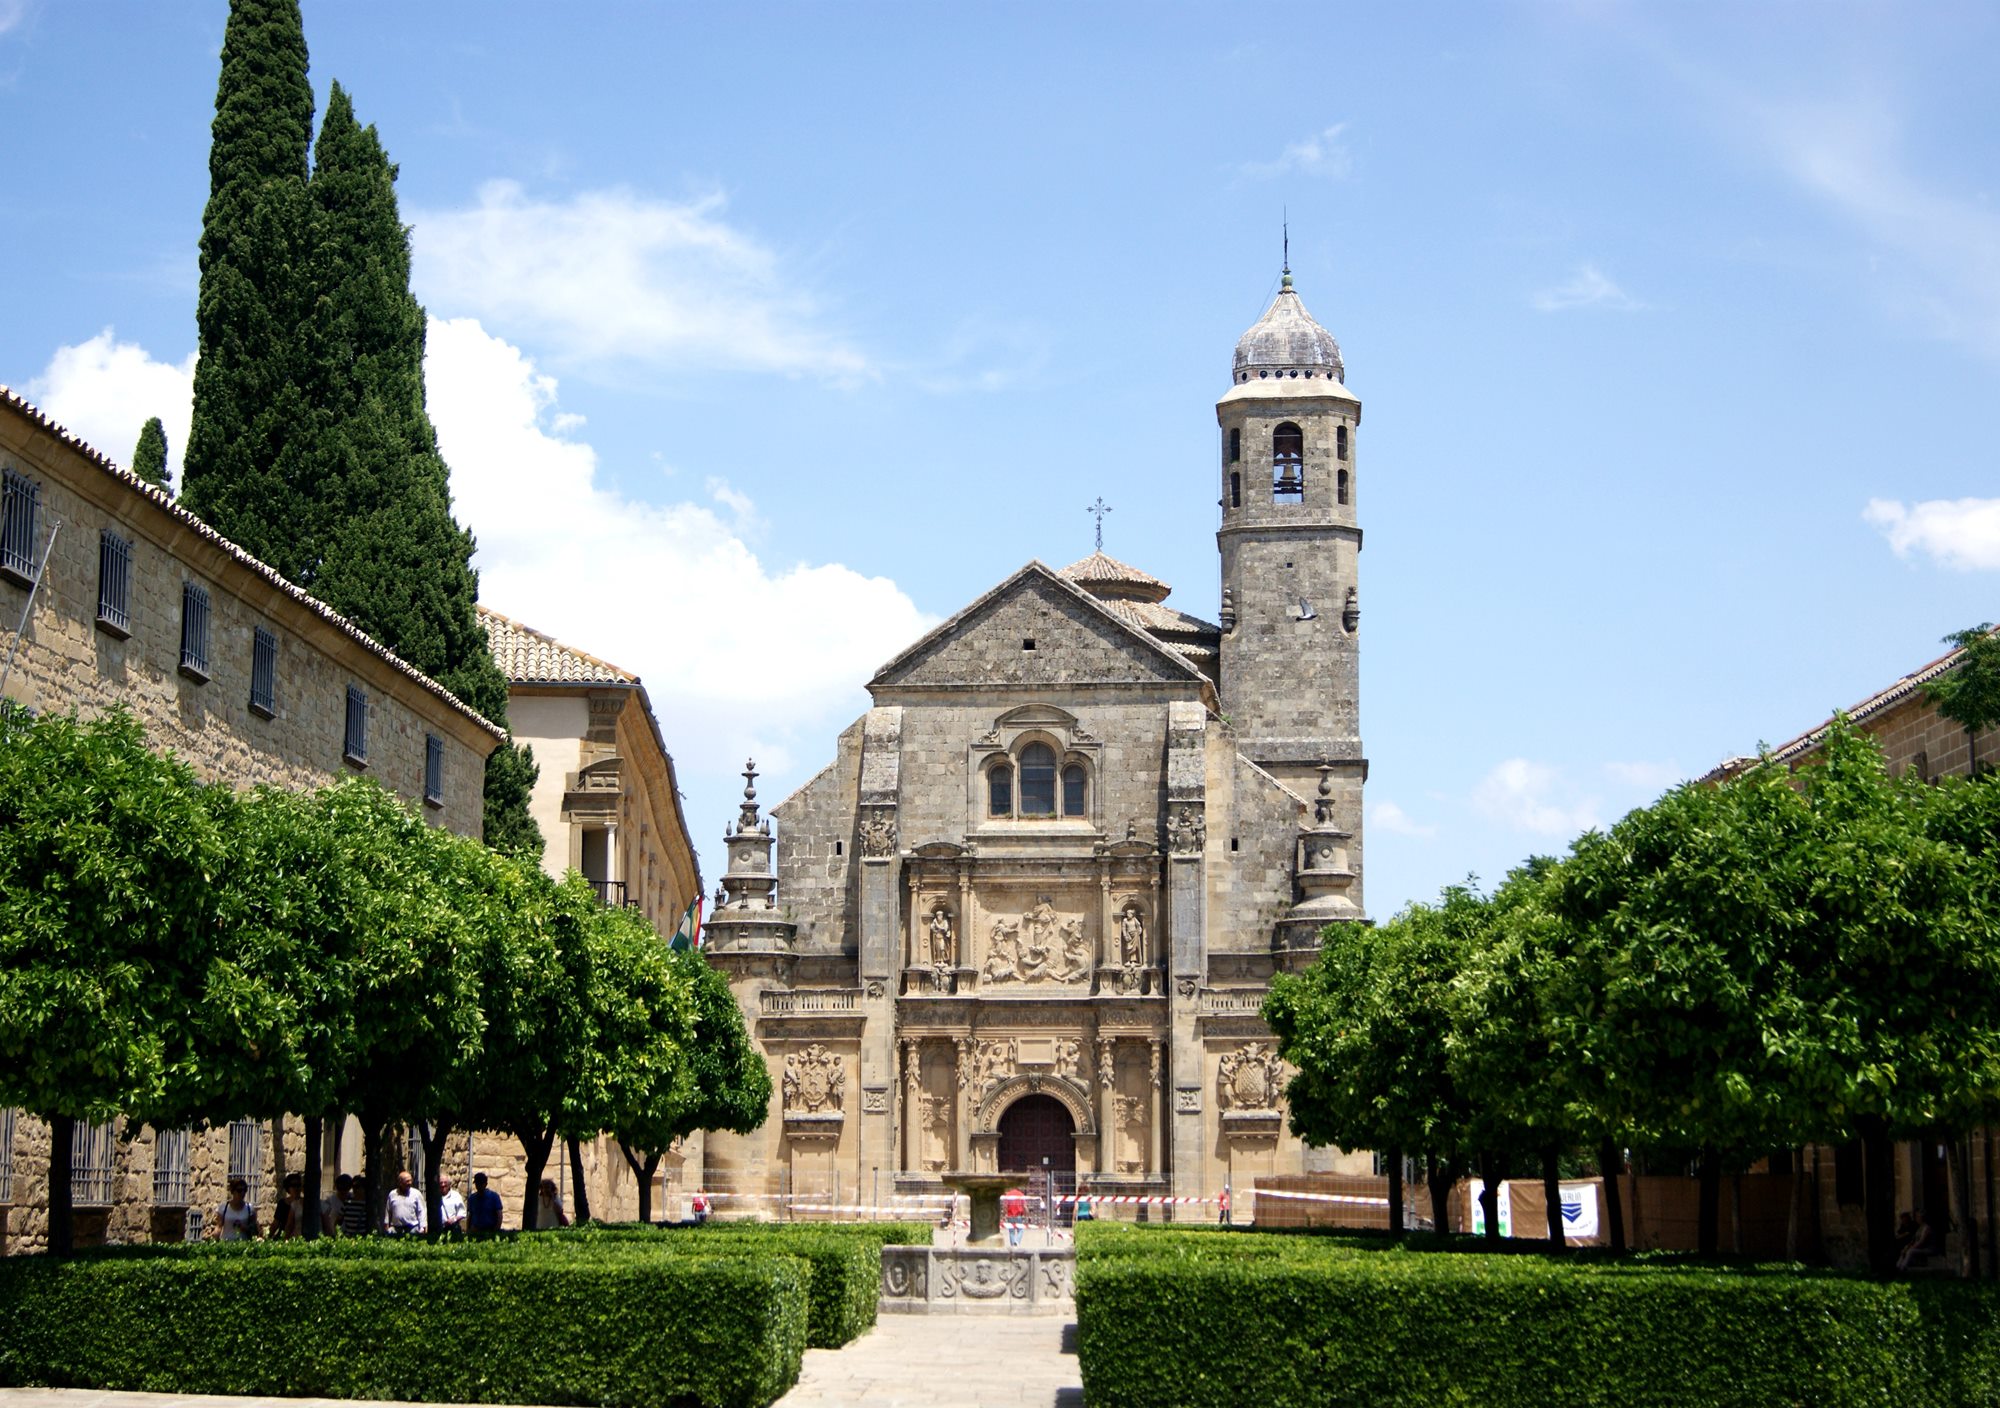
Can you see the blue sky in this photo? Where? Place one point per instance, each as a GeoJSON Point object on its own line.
{"type": "Point", "coordinates": [764, 336]}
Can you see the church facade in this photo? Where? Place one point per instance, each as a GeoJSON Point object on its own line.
{"type": "Point", "coordinates": [1027, 916]}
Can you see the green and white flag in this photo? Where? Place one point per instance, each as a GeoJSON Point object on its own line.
{"type": "Point", "coordinates": [688, 936]}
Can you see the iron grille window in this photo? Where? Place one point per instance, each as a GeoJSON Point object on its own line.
{"type": "Point", "coordinates": [246, 1155]}
{"type": "Point", "coordinates": [194, 631]}
{"type": "Point", "coordinates": [433, 769]}
{"type": "Point", "coordinates": [264, 673]}
{"type": "Point", "coordinates": [355, 749]}
{"type": "Point", "coordinates": [114, 584]}
{"type": "Point", "coordinates": [6, 1157]}
{"type": "Point", "coordinates": [90, 1152]}
{"type": "Point", "coordinates": [20, 508]}
{"type": "Point", "coordinates": [173, 1168]}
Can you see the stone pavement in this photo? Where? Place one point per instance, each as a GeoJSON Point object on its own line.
{"type": "Point", "coordinates": [946, 1361]}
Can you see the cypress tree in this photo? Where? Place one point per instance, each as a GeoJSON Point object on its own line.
{"type": "Point", "coordinates": [149, 461]}
{"type": "Point", "coordinates": [244, 469]}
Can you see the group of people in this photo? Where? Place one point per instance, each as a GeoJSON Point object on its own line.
{"type": "Point", "coordinates": [349, 1212]}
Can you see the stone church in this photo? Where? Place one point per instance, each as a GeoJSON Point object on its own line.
{"type": "Point", "coordinates": [1027, 916]}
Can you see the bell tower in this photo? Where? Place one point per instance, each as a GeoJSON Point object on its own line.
{"type": "Point", "coordinates": [1290, 544]}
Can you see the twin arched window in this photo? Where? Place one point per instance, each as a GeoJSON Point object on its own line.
{"type": "Point", "coordinates": [1044, 790]}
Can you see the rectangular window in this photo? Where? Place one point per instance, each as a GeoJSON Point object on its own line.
{"type": "Point", "coordinates": [114, 584]}
{"type": "Point", "coordinates": [433, 769]}
{"type": "Point", "coordinates": [173, 1168]}
{"type": "Point", "coordinates": [194, 631]}
{"type": "Point", "coordinates": [264, 673]}
{"type": "Point", "coordinates": [355, 749]}
{"type": "Point", "coordinates": [90, 1152]}
{"type": "Point", "coordinates": [246, 1155]}
{"type": "Point", "coordinates": [20, 511]}
{"type": "Point", "coordinates": [6, 1157]}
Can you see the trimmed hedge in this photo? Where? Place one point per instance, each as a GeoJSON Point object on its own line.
{"type": "Point", "coordinates": [482, 1323]}
{"type": "Point", "coordinates": [1198, 1319]}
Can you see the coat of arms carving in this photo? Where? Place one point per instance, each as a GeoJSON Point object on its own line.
{"type": "Point", "coordinates": [815, 1081]}
{"type": "Point", "coordinates": [1249, 1078]}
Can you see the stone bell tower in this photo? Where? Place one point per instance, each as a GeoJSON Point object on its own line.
{"type": "Point", "coordinates": [1290, 543]}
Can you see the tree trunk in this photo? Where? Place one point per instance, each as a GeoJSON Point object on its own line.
{"type": "Point", "coordinates": [1736, 1212]}
{"type": "Point", "coordinates": [433, 1136]}
{"type": "Point", "coordinates": [62, 1219]}
{"type": "Point", "coordinates": [1638, 1213]}
{"type": "Point", "coordinates": [535, 1147]}
{"type": "Point", "coordinates": [1396, 1194]}
{"type": "Point", "coordinates": [315, 1175]}
{"type": "Point", "coordinates": [1992, 1221]}
{"type": "Point", "coordinates": [377, 1169]}
{"type": "Point", "coordinates": [1489, 1195]}
{"type": "Point", "coordinates": [1608, 1164]}
{"type": "Point", "coordinates": [1878, 1167]}
{"type": "Point", "coordinates": [1552, 1195]}
{"type": "Point", "coordinates": [579, 1196]}
{"type": "Point", "coordinates": [1706, 1238]}
{"type": "Point", "coordinates": [1438, 1175]}
{"type": "Point", "coordinates": [1968, 1215]}
{"type": "Point", "coordinates": [643, 1170]}
{"type": "Point", "coordinates": [1798, 1197]}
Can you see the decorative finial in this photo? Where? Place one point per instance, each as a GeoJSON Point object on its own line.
{"type": "Point", "coordinates": [746, 819]}
{"type": "Point", "coordinates": [1286, 271]}
{"type": "Point", "coordinates": [1100, 508]}
{"type": "Point", "coordinates": [750, 780]}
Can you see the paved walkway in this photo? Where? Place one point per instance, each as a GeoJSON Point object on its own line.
{"type": "Point", "coordinates": [947, 1361]}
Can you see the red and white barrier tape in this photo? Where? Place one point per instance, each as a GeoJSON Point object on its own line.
{"type": "Point", "coordinates": [1323, 1197]}
{"type": "Point", "coordinates": [1127, 1199]}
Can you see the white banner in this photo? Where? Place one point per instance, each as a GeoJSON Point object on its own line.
{"type": "Point", "coordinates": [1579, 1210]}
{"type": "Point", "coordinates": [1479, 1209]}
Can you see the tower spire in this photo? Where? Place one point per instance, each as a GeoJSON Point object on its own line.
{"type": "Point", "coordinates": [1286, 271]}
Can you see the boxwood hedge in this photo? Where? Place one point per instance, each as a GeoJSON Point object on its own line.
{"type": "Point", "coordinates": [483, 1323]}
{"type": "Point", "coordinates": [1168, 1318]}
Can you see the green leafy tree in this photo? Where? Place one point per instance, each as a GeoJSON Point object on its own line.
{"type": "Point", "coordinates": [149, 460]}
{"type": "Point", "coordinates": [1969, 694]}
{"type": "Point", "coordinates": [732, 1082]}
{"type": "Point", "coordinates": [108, 853]}
{"type": "Point", "coordinates": [510, 780]}
{"type": "Point", "coordinates": [248, 466]}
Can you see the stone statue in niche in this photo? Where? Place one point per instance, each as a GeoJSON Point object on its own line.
{"type": "Point", "coordinates": [1132, 1133]}
{"type": "Point", "coordinates": [1187, 833]}
{"type": "Point", "coordinates": [1132, 936]}
{"type": "Point", "coordinates": [815, 1081]}
{"type": "Point", "coordinates": [942, 950]}
{"type": "Point", "coordinates": [878, 833]}
{"type": "Point", "coordinates": [936, 1131]}
{"type": "Point", "coordinates": [1249, 1078]}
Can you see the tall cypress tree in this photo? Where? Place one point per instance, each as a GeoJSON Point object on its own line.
{"type": "Point", "coordinates": [390, 557]}
{"type": "Point", "coordinates": [244, 469]}
{"type": "Point", "coordinates": [149, 460]}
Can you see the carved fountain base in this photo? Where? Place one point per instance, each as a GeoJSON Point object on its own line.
{"type": "Point", "coordinates": [978, 1281]}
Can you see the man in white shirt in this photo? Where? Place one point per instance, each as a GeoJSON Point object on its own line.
{"type": "Point", "coordinates": [405, 1215]}
{"type": "Point", "coordinates": [451, 1208]}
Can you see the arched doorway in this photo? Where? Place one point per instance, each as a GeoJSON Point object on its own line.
{"type": "Point", "coordinates": [1034, 1128]}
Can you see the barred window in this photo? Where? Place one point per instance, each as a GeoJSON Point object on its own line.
{"type": "Point", "coordinates": [355, 748]}
{"type": "Point", "coordinates": [91, 1147]}
{"type": "Point", "coordinates": [264, 673]}
{"type": "Point", "coordinates": [6, 1157]}
{"type": "Point", "coordinates": [194, 631]}
{"type": "Point", "coordinates": [114, 584]}
{"type": "Point", "coordinates": [173, 1168]}
{"type": "Point", "coordinates": [246, 1155]}
{"type": "Point", "coordinates": [433, 769]}
{"type": "Point", "coordinates": [20, 510]}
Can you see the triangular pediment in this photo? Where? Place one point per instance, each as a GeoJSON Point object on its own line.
{"type": "Point", "coordinates": [1036, 629]}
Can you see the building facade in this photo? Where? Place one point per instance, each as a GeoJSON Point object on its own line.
{"type": "Point", "coordinates": [609, 807]}
{"type": "Point", "coordinates": [1027, 916]}
{"type": "Point", "coordinates": [250, 680]}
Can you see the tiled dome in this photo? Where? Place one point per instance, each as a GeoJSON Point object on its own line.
{"type": "Point", "coordinates": [1286, 340]}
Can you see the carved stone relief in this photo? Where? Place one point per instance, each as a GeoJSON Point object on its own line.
{"type": "Point", "coordinates": [815, 1081]}
{"type": "Point", "coordinates": [878, 833]}
{"type": "Point", "coordinates": [1249, 1078]}
{"type": "Point", "coordinates": [1040, 946]}
{"type": "Point", "coordinates": [992, 1062]}
{"type": "Point", "coordinates": [1187, 833]}
{"type": "Point", "coordinates": [1069, 1060]}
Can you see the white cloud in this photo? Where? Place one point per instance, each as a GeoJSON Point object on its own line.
{"type": "Point", "coordinates": [614, 276]}
{"type": "Point", "coordinates": [1643, 776]}
{"type": "Point", "coordinates": [1588, 287]}
{"type": "Point", "coordinates": [1960, 533]}
{"type": "Point", "coordinates": [12, 12]}
{"type": "Point", "coordinates": [1387, 816]}
{"type": "Point", "coordinates": [739, 656]}
{"type": "Point", "coordinates": [1324, 153]}
{"type": "Point", "coordinates": [105, 390]}
{"type": "Point", "coordinates": [1528, 796]}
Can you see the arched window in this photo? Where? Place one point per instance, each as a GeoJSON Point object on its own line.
{"type": "Point", "coordinates": [1000, 791]}
{"type": "Point", "coordinates": [1288, 462]}
{"type": "Point", "coordinates": [1038, 780]}
{"type": "Point", "coordinates": [1072, 790]}
{"type": "Point", "coordinates": [1340, 442]}
{"type": "Point", "coordinates": [1236, 488]}
{"type": "Point", "coordinates": [1341, 482]}
{"type": "Point", "coordinates": [1235, 446]}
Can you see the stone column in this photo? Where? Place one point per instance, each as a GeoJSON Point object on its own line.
{"type": "Point", "coordinates": [879, 933]}
{"type": "Point", "coordinates": [1107, 1104]}
{"type": "Point", "coordinates": [961, 1125]}
{"type": "Point", "coordinates": [913, 1104]}
{"type": "Point", "coordinates": [1159, 1118]}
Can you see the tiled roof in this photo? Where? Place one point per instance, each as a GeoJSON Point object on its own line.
{"type": "Point", "coordinates": [1100, 569]}
{"type": "Point", "coordinates": [32, 413]}
{"type": "Point", "coordinates": [1135, 598]}
{"type": "Point", "coordinates": [528, 656]}
{"type": "Point", "coordinates": [1867, 709]}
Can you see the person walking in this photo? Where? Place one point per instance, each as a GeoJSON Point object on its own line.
{"type": "Point", "coordinates": [1224, 1202]}
{"type": "Point", "coordinates": [548, 1207]}
{"type": "Point", "coordinates": [237, 1220]}
{"type": "Point", "coordinates": [451, 1208]}
{"type": "Point", "coordinates": [291, 1218]}
{"type": "Point", "coordinates": [482, 1210]}
{"type": "Point", "coordinates": [353, 1212]}
{"type": "Point", "coordinates": [405, 1215]}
